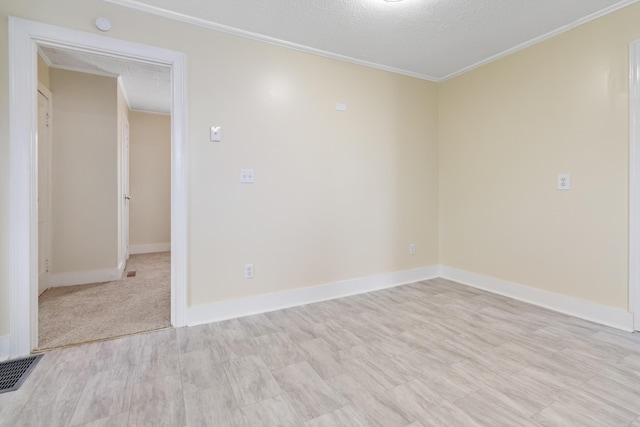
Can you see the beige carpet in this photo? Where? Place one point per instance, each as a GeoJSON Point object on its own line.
{"type": "Point", "coordinates": [76, 314]}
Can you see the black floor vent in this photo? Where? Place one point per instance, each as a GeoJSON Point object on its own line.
{"type": "Point", "coordinates": [14, 372]}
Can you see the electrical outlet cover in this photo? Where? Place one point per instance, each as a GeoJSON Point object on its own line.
{"type": "Point", "coordinates": [564, 181]}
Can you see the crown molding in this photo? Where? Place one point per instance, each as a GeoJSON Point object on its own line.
{"type": "Point", "coordinates": [176, 16]}
{"type": "Point", "coordinates": [540, 39]}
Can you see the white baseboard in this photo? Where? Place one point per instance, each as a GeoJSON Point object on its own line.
{"type": "Point", "coordinates": [85, 277]}
{"type": "Point", "coordinates": [4, 347]}
{"type": "Point", "coordinates": [121, 268]}
{"type": "Point", "coordinates": [597, 313]}
{"type": "Point", "coordinates": [150, 248]}
{"type": "Point", "coordinates": [224, 310]}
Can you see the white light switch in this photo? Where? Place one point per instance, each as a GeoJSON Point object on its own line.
{"type": "Point", "coordinates": [341, 107]}
{"type": "Point", "coordinates": [564, 181]}
{"type": "Point", "coordinates": [216, 133]}
{"type": "Point", "coordinates": [246, 176]}
{"type": "Point", "coordinates": [248, 271]}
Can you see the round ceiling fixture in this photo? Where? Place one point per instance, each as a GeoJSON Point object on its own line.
{"type": "Point", "coordinates": [103, 24]}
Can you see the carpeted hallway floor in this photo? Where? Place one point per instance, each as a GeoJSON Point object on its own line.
{"type": "Point", "coordinates": [76, 314]}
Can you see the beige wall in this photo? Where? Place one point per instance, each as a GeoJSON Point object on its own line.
{"type": "Point", "coordinates": [150, 178]}
{"type": "Point", "coordinates": [84, 172]}
{"type": "Point", "coordinates": [43, 72]}
{"type": "Point", "coordinates": [338, 195]}
{"type": "Point", "coordinates": [508, 129]}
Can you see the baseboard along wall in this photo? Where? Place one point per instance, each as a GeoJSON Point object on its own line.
{"type": "Point", "coordinates": [84, 277]}
{"type": "Point", "coordinates": [586, 310]}
{"type": "Point", "coordinates": [149, 248]}
{"type": "Point", "coordinates": [224, 310]}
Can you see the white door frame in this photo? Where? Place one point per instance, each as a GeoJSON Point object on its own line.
{"type": "Point", "coordinates": [47, 94]}
{"type": "Point", "coordinates": [24, 38]}
{"type": "Point", "coordinates": [634, 183]}
{"type": "Point", "coordinates": [124, 194]}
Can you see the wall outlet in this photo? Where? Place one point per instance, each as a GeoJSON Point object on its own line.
{"type": "Point", "coordinates": [248, 271]}
{"type": "Point", "coordinates": [564, 181]}
{"type": "Point", "coordinates": [412, 249]}
{"type": "Point", "coordinates": [247, 176]}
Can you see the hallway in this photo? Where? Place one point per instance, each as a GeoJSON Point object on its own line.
{"type": "Point", "coordinates": [75, 314]}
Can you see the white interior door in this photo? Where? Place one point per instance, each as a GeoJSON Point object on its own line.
{"type": "Point", "coordinates": [125, 187]}
{"type": "Point", "coordinates": [44, 188]}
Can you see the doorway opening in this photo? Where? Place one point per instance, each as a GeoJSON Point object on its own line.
{"type": "Point", "coordinates": [25, 37]}
{"type": "Point", "coordinates": [45, 105]}
{"type": "Point", "coordinates": [108, 108]}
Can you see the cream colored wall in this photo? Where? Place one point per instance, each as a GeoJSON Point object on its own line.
{"type": "Point", "coordinates": [43, 72]}
{"type": "Point", "coordinates": [335, 196]}
{"type": "Point", "coordinates": [84, 172]}
{"type": "Point", "coordinates": [507, 130]}
{"type": "Point", "coordinates": [338, 195]}
{"type": "Point", "coordinates": [150, 178]}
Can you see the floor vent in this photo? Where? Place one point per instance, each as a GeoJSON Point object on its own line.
{"type": "Point", "coordinates": [14, 372]}
{"type": "Point", "coordinates": [131, 274]}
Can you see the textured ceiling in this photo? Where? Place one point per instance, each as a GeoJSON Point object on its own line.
{"type": "Point", "coordinates": [432, 39]}
{"type": "Point", "coordinates": [147, 87]}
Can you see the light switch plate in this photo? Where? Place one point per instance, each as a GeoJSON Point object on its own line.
{"type": "Point", "coordinates": [216, 133]}
{"type": "Point", "coordinates": [248, 271]}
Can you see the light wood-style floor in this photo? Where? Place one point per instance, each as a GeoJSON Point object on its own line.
{"type": "Point", "coordinates": [428, 354]}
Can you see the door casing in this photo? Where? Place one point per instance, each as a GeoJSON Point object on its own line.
{"type": "Point", "coordinates": [634, 183]}
{"type": "Point", "coordinates": [44, 192]}
{"type": "Point", "coordinates": [24, 38]}
{"type": "Point", "coordinates": [125, 196]}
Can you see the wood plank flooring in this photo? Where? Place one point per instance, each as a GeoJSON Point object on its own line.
{"type": "Point", "coordinates": [433, 353]}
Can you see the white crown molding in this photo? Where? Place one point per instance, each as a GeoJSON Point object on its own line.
{"type": "Point", "coordinates": [44, 57]}
{"type": "Point", "coordinates": [176, 16]}
{"type": "Point", "coordinates": [137, 110]}
{"type": "Point", "coordinates": [154, 10]}
{"type": "Point", "coordinates": [224, 310]}
{"type": "Point", "coordinates": [539, 39]}
{"type": "Point", "coordinates": [77, 69]}
{"type": "Point", "coordinates": [572, 306]}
